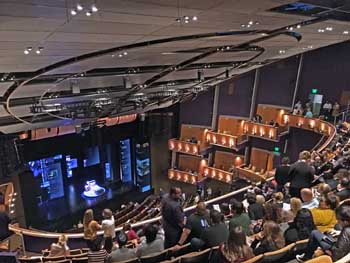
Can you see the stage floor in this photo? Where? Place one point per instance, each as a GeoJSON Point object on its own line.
{"type": "Point", "coordinates": [63, 213]}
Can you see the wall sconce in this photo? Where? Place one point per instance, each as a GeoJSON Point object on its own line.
{"type": "Point", "coordinates": [172, 145]}
{"type": "Point", "coordinates": [322, 127]}
{"type": "Point", "coordinates": [245, 129]}
{"type": "Point", "coordinates": [262, 131]}
{"type": "Point", "coordinates": [214, 139]}
{"type": "Point", "coordinates": [300, 123]}
{"type": "Point", "coordinates": [221, 176]}
{"type": "Point", "coordinates": [206, 171]}
{"type": "Point", "coordinates": [232, 142]}
{"type": "Point", "coordinates": [228, 178]}
{"type": "Point", "coordinates": [271, 134]}
{"type": "Point", "coordinates": [186, 178]}
{"type": "Point", "coordinates": [223, 140]}
{"type": "Point", "coordinates": [195, 149]}
{"type": "Point", "coordinates": [213, 173]}
{"type": "Point", "coordinates": [193, 180]}
{"type": "Point", "coordinates": [312, 124]}
{"type": "Point", "coordinates": [254, 130]}
{"type": "Point", "coordinates": [178, 176]}
{"type": "Point", "coordinates": [187, 148]}
{"type": "Point", "coordinates": [208, 137]}
{"type": "Point", "coordinates": [171, 175]}
{"type": "Point", "coordinates": [179, 147]}
{"type": "Point", "coordinates": [285, 119]}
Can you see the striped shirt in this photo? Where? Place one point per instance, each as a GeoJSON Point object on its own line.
{"type": "Point", "coordinates": [97, 256]}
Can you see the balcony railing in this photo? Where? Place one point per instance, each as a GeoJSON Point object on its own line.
{"type": "Point", "coordinates": [182, 176]}
{"type": "Point", "coordinates": [264, 131]}
{"type": "Point", "coordinates": [185, 147]}
{"type": "Point", "coordinates": [218, 174]}
{"type": "Point", "coordinates": [225, 140]}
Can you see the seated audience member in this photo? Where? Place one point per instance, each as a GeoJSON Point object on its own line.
{"type": "Point", "coordinates": [239, 217]}
{"type": "Point", "coordinates": [309, 201]}
{"type": "Point", "coordinates": [287, 218]}
{"type": "Point", "coordinates": [260, 199]}
{"type": "Point", "coordinates": [273, 212]}
{"type": "Point", "coordinates": [323, 189]}
{"type": "Point", "coordinates": [278, 198]}
{"type": "Point", "coordinates": [96, 253]}
{"type": "Point", "coordinates": [122, 253]}
{"type": "Point", "coordinates": [130, 232]}
{"type": "Point", "coordinates": [4, 225]}
{"type": "Point", "coordinates": [270, 239]}
{"type": "Point", "coordinates": [152, 244]}
{"type": "Point", "coordinates": [225, 209]}
{"type": "Point", "coordinates": [335, 248]}
{"type": "Point", "coordinates": [282, 174]}
{"type": "Point", "coordinates": [108, 226]}
{"type": "Point", "coordinates": [60, 248]}
{"type": "Point", "coordinates": [214, 235]}
{"type": "Point", "coordinates": [343, 191]}
{"type": "Point", "coordinates": [301, 227]}
{"type": "Point", "coordinates": [308, 113]}
{"type": "Point", "coordinates": [236, 250]}
{"type": "Point", "coordinates": [255, 210]}
{"type": "Point", "coordinates": [324, 215]}
{"type": "Point", "coordinates": [195, 224]}
{"type": "Point", "coordinates": [295, 205]}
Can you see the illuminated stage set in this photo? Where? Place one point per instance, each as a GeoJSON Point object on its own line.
{"type": "Point", "coordinates": [92, 189]}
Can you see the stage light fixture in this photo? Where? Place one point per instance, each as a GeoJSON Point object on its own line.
{"type": "Point", "coordinates": [250, 22]}
{"type": "Point", "coordinates": [26, 51]}
{"type": "Point", "coordinates": [120, 55]}
{"type": "Point", "coordinates": [73, 12]}
{"type": "Point", "coordinates": [88, 13]}
{"type": "Point", "coordinates": [80, 7]}
{"type": "Point", "coordinates": [94, 8]}
{"type": "Point", "coordinates": [194, 18]}
{"type": "Point", "coordinates": [298, 26]}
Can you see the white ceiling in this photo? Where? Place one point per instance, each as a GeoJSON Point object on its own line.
{"type": "Point", "coordinates": [48, 24]}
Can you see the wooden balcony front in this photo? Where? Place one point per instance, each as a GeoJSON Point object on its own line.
{"type": "Point", "coordinates": [182, 176]}
{"type": "Point", "coordinates": [218, 174]}
{"type": "Point", "coordinates": [185, 147]}
{"type": "Point", "coordinates": [226, 140]}
{"type": "Point", "coordinates": [264, 131]}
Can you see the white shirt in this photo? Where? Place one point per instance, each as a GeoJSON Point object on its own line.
{"type": "Point", "coordinates": [108, 227]}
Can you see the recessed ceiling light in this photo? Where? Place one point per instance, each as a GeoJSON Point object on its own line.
{"type": "Point", "coordinates": [186, 21]}
{"type": "Point", "coordinates": [249, 25]}
{"type": "Point", "coordinates": [194, 18]}
{"type": "Point", "coordinates": [125, 53]}
{"type": "Point", "coordinates": [113, 55]}
{"type": "Point", "coordinates": [186, 17]}
{"type": "Point", "coordinates": [242, 25]}
{"type": "Point", "coordinates": [29, 48]}
{"type": "Point", "coordinates": [298, 26]}
{"type": "Point", "coordinates": [291, 28]}
{"type": "Point", "coordinates": [120, 55]}
{"type": "Point", "coordinates": [346, 32]}
{"type": "Point", "coordinates": [94, 8]}
{"type": "Point", "coordinates": [88, 13]}
{"type": "Point", "coordinates": [282, 51]}
{"type": "Point", "coordinates": [38, 51]}
{"type": "Point", "coordinates": [73, 12]}
{"type": "Point", "coordinates": [80, 7]}
{"type": "Point", "coordinates": [26, 51]}
{"type": "Point", "coordinates": [251, 22]}
{"type": "Point", "coordinates": [329, 28]}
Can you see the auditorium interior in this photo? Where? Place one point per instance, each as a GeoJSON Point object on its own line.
{"type": "Point", "coordinates": [177, 117]}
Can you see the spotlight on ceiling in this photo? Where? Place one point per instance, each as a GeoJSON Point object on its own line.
{"type": "Point", "coordinates": [194, 18]}
{"type": "Point", "coordinates": [80, 7]}
{"type": "Point", "coordinates": [329, 28]}
{"type": "Point", "coordinates": [39, 49]}
{"type": "Point", "coordinates": [346, 32]}
{"type": "Point", "coordinates": [88, 13]}
{"type": "Point", "coordinates": [320, 30]}
{"type": "Point", "coordinates": [94, 8]}
{"type": "Point", "coordinates": [73, 12]}
{"type": "Point", "coordinates": [282, 51]}
{"type": "Point", "coordinates": [125, 53]}
{"type": "Point", "coordinates": [298, 26]}
{"type": "Point", "coordinates": [26, 51]}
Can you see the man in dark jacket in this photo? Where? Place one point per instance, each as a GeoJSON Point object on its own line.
{"type": "Point", "coordinates": [301, 174]}
{"type": "Point", "coordinates": [282, 174]}
{"type": "Point", "coordinates": [172, 217]}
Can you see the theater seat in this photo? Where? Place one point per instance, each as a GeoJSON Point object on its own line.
{"type": "Point", "coordinates": [155, 257]}
{"type": "Point", "coordinates": [46, 259]}
{"type": "Point", "coordinates": [345, 259]}
{"type": "Point", "coordinates": [300, 246]}
{"type": "Point", "coordinates": [75, 252]}
{"type": "Point", "coordinates": [185, 249]}
{"type": "Point", "coordinates": [321, 259]}
{"type": "Point", "coordinates": [81, 255]}
{"type": "Point", "coordinates": [79, 260]}
{"type": "Point", "coordinates": [134, 260]}
{"type": "Point", "coordinates": [254, 259]}
{"type": "Point", "coordinates": [196, 257]}
{"type": "Point", "coordinates": [281, 255]}
{"type": "Point", "coordinates": [61, 261]}
{"type": "Point", "coordinates": [29, 260]}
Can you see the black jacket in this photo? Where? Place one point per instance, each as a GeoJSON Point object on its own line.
{"type": "Point", "coordinates": [256, 211]}
{"type": "Point", "coordinates": [282, 175]}
{"type": "Point", "coordinates": [342, 247]}
{"type": "Point", "coordinates": [343, 194]}
{"type": "Point", "coordinates": [301, 175]}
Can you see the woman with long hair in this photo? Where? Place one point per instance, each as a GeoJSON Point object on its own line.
{"type": "Point", "coordinates": [269, 239]}
{"type": "Point", "coordinates": [295, 205]}
{"type": "Point", "coordinates": [301, 227]}
{"type": "Point", "coordinates": [90, 226]}
{"type": "Point", "coordinates": [236, 250]}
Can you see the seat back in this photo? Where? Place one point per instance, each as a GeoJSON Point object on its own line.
{"type": "Point", "coordinates": [80, 260]}
{"type": "Point", "coordinates": [281, 255]}
{"type": "Point", "coordinates": [254, 259]}
{"type": "Point", "coordinates": [196, 257]}
{"type": "Point", "coordinates": [46, 259]}
{"type": "Point", "coordinates": [75, 251]}
{"type": "Point", "coordinates": [81, 255]}
{"type": "Point", "coordinates": [61, 261]}
{"type": "Point", "coordinates": [300, 246]}
{"type": "Point", "coordinates": [185, 249]}
{"type": "Point", "coordinates": [29, 260]}
{"type": "Point", "coordinates": [321, 259]}
{"type": "Point", "coordinates": [154, 258]}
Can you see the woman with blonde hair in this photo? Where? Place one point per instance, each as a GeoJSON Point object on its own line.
{"type": "Point", "coordinates": [60, 248]}
{"type": "Point", "coordinates": [270, 239]}
{"type": "Point", "coordinates": [295, 205]}
{"type": "Point", "coordinates": [236, 250]}
{"type": "Point", "coordinates": [90, 226]}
